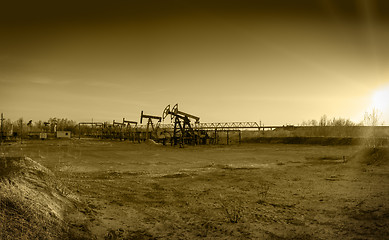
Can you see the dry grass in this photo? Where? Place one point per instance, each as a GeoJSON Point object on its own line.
{"type": "Point", "coordinates": [33, 202]}
{"type": "Point", "coordinates": [374, 156]}
{"type": "Point", "coordinates": [250, 191]}
{"type": "Point", "coordinates": [19, 219]}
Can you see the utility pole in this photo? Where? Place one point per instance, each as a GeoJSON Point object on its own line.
{"type": "Point", "coordinates": [2, 119]}
{"type": "Point", "coordinates": [21, 131]}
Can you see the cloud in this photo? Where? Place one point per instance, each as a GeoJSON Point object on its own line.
{"type": "Point", "coordinates": [48, 81]}
{"type": "Point", "coordinates": [103, 84]}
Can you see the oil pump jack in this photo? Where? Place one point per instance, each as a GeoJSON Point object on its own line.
{"type": "Point", "coordinates": [150, 124]}
{"type": "Point", "coordinates": [131, 129]}
{"type": "Point", "coordinates": [183, 132]}
{"type": "Point", "coordinates": [118, 129]}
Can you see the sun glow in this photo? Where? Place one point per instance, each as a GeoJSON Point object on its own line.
{"type": "Point", "coordinates": [380, 101]}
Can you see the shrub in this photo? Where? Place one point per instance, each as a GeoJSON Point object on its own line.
{"type": "Point", "coordinates": [262, 192]}
{"type": "Point", "coordinates": [232, 208]}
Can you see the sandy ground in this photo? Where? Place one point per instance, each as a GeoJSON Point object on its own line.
{"type": "Point", "coordinates": [248, 191]}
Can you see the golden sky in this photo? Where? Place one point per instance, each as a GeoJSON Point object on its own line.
{"type": "Point", "coordinates": [279, 61]}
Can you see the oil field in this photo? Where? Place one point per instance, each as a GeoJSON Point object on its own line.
{"type": "Point", "coordinates": [194, 119]}
{"type": "Point", "coordinates": [192, 180]}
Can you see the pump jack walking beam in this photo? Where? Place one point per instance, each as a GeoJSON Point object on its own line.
{"type": "Point", "coordinates": [175, 112]}
{"type": "Point", "coordinates": [129, 122]}
{"type": "Point", "coordinates": [149, 117]}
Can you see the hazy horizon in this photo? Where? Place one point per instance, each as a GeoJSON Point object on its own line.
{"type": "Point", "coordinates": [278, 62]}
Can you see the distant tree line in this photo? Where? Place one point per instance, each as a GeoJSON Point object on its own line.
{"type": "Point", "coordinates": [372, 118]}
{"type": "Point", "coordinates": [325, 121]}
{"type": "Point", "coordinates": [23, 127]}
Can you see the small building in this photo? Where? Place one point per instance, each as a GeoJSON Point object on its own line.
{"type": "Point", "coordinates": [63, 134]}
{"type": "Point", "coordinates": [34, 135]}
{"type": "Point", "coordinates": [43, 136]}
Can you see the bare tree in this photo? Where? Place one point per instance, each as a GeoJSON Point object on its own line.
{"type": "Point", "coordinates": [323, 120]}
{"type": "Point", "coordinates": [372, 119]}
